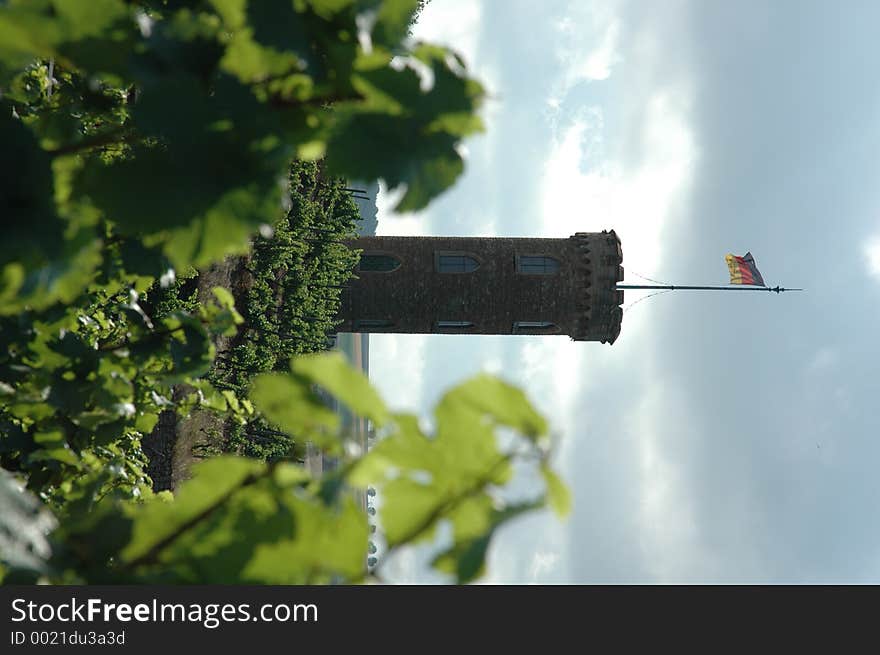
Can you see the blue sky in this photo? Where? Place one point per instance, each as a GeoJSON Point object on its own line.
{"type": "Point", "coordinates": [720, 439]}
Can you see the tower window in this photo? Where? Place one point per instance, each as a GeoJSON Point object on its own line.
{"type": "Point", "coordinates": [378, 263]}
{"type": "Point", "coordinates": [534, 327]}
{"type": "Point", "coordinates": [456, 262]}
{"type": "Point", "coordinates": [451, 325]}
{"type": "Point", "coordinates": [537, 265]}
{"type": "Point", "coordinates": [372, 323]}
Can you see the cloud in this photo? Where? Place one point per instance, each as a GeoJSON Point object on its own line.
{"type": "Point", "coordinates": [636, 195]}
{"type": "Point", "coordinates": [586, 46]}
{"type": "Point", "coordinates": [456, 24]}
{"type": "Point", "coordinates": [397, 367]}
{"type": "Point", "coordinates": [825, 358]}
{"type": "Point", "coordinates": [391, 223]}
{"type": "Point", "coordinates": [872, 256]}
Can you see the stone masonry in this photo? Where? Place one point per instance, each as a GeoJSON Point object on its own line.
{"type": "Point", "coordinates": [578, 298]}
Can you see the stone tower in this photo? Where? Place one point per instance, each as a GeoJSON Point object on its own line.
{"type": "Point", "coordinates": [461, 285]}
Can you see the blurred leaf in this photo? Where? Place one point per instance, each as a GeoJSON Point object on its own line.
{"type": "Point", "coordinates": [82, 19]}
{"type": "Point", "coordinates": [429, 178]}
{"type": "Point", "coordinates": [26, 194]}
{"type": "Point", "coordinates": [289, 403]}
{"type": "Point", "coordinates": [466, 558]}
{"type": "Point", "coordinates": [289, 475]}
{"type": "Point", "coordinates": [24, 525]}
{"type": "Point", "coordinates": [26, 31]}
{"type": "Point", "coordinates": [498, 401]}
{"type": "Point", "coordinates": [224, 297]}
{"type": "Point", "coordinates": [393, 21]}
{"type": "Point", "coordinates": [146, 422]}
{"type": "Point", "coordinates": [558, 493]}
{"type": "Point", "coordinates": [410, 510]}
{"type": "Point", "coordinates": [191, 351]}
{"type": "Point", "coordinates": [407, 448]}
{"type": "Point", "coordinates": [214, 480]}
{"type": "Point", "coordinates": [61, 453]}
{"type": "Point", "coordinates": [327, 543]}
{"type": "Point", "coordinates": [472, 517]}
{"type": "Point", "coordinates": [347, 384]}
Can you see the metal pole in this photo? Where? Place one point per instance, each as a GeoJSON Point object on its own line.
{"type": "Point", "coordinates": [673, 287]}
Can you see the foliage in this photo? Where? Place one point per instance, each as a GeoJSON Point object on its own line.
{"type": "Point", "coordinates": [176, 121]}
{"type": "Point", "coordinates": [296, 277]}
{"type": "Point", "coordinates": [82, 386]}
{"type": "Point", "coordinates": [144, 141]}
{"type": "Point", "coordinates": [244, 521]}
{"type": "Point", "coordinates": [287, 290]}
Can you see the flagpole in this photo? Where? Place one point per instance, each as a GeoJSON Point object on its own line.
{"type": "Point", "coordinates": [675, 287]}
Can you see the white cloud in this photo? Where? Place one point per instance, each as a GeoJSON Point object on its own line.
{"type": "Point", "coordinates": [872, 256]}
{"type": "Point", "coordinates": [397, 368]}
{"type": "Point", "coordinates": [412, 224]}
{"type": "Point", "coordinates": [589, 182]}
{"type": "Point", "coordinates": [542, 563]}
{"type": "Point", "coordinates": [587, 45]}
{"type": "Point", "coordinates": [637, 198]}
{"type": "Point", "coordinates": [638, 194]}
{"type": "Point", "coordinates": [824, 359]}
{"type": "Point", "coordinates": [669, 534]}
{"type": "Point", "coordinates": [454, 24]}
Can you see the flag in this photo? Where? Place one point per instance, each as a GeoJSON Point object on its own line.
{"type": "Point", "coordinates": [743, 270]}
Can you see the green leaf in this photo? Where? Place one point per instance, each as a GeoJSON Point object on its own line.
{"type": "Point", "coordinates": [328, 545]}
{"type": "Point", "coordinates": [232, 523]}
{"type": "Point", "coordinates": [61, 453]}
{"type": "Point", "coordinates": [82, 19]}
{"type": "Point", "coordinates": [409, 511]}
{"type": "Point", "coordinates": [500, 402]}
{"type": "Point", "coordinates": [472, 517]}
{"type": "Point", "coordinates": [558, 493]}
{"type": "Point", "coordinates": [393, 22]}
{"type": "Point", "coordinates": [224, 297]}
{"type": "Point", "coordinates": [191, 351]}
{"type": "Point", "coordinates": [146, 422]}
{"type": "Point", "coordinates": [289, 403]}
{"type": "Point", "coordinates": [428, 179]}
{"type": "Point", "coordinates": [54, 437]}
{"type": "Point", "coordinates": [289, 475]}
{"type": "Point", "coordinates": [347, 384]}
{"type": "Point", "coordinates": [214, 480]}
{"type": "Point", "coordinates": [466, 561]}
{"type": "Point", "coordinates": [32, 230]}
{"type": "Point", "coordinates": [27, 31]}
{"type": "Point", "coordinates": [466, 558]}
{"type": "Point", "coordinates": [405, 449]}
{"type": "Point", "coordinates": [466, 442]}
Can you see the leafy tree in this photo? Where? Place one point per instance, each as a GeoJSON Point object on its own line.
{"type": "Point", "coordinates": [143, 142]}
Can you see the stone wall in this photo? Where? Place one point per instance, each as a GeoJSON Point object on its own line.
{"type": "Point", "coordinates": [580, 299]}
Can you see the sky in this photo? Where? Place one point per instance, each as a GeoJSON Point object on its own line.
{"type": "Point", "coordinates": [724, 438]}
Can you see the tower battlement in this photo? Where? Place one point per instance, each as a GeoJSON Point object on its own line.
{"type": "Point", "coordinates": [487, 285]}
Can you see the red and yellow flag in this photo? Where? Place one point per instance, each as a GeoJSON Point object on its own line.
{"type": "Point", "coordinates": [743, 270]}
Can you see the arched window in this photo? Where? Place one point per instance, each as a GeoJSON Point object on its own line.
{"type": "Point", "coordinates": [375, 263]}
{"type": "Point", "coordinates": [537, 265]}
{"type": "Point", "coordinates": [372, 323]}
{"type": "Point", "coordinates": [534, 327]}
{"type": "Point", "coordinates": [453, 325]}
{"type": "Point", "coordinates": [456, 262]}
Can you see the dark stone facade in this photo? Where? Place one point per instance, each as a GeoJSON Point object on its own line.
{"type": "Point", "coordinates": [579, 298]}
